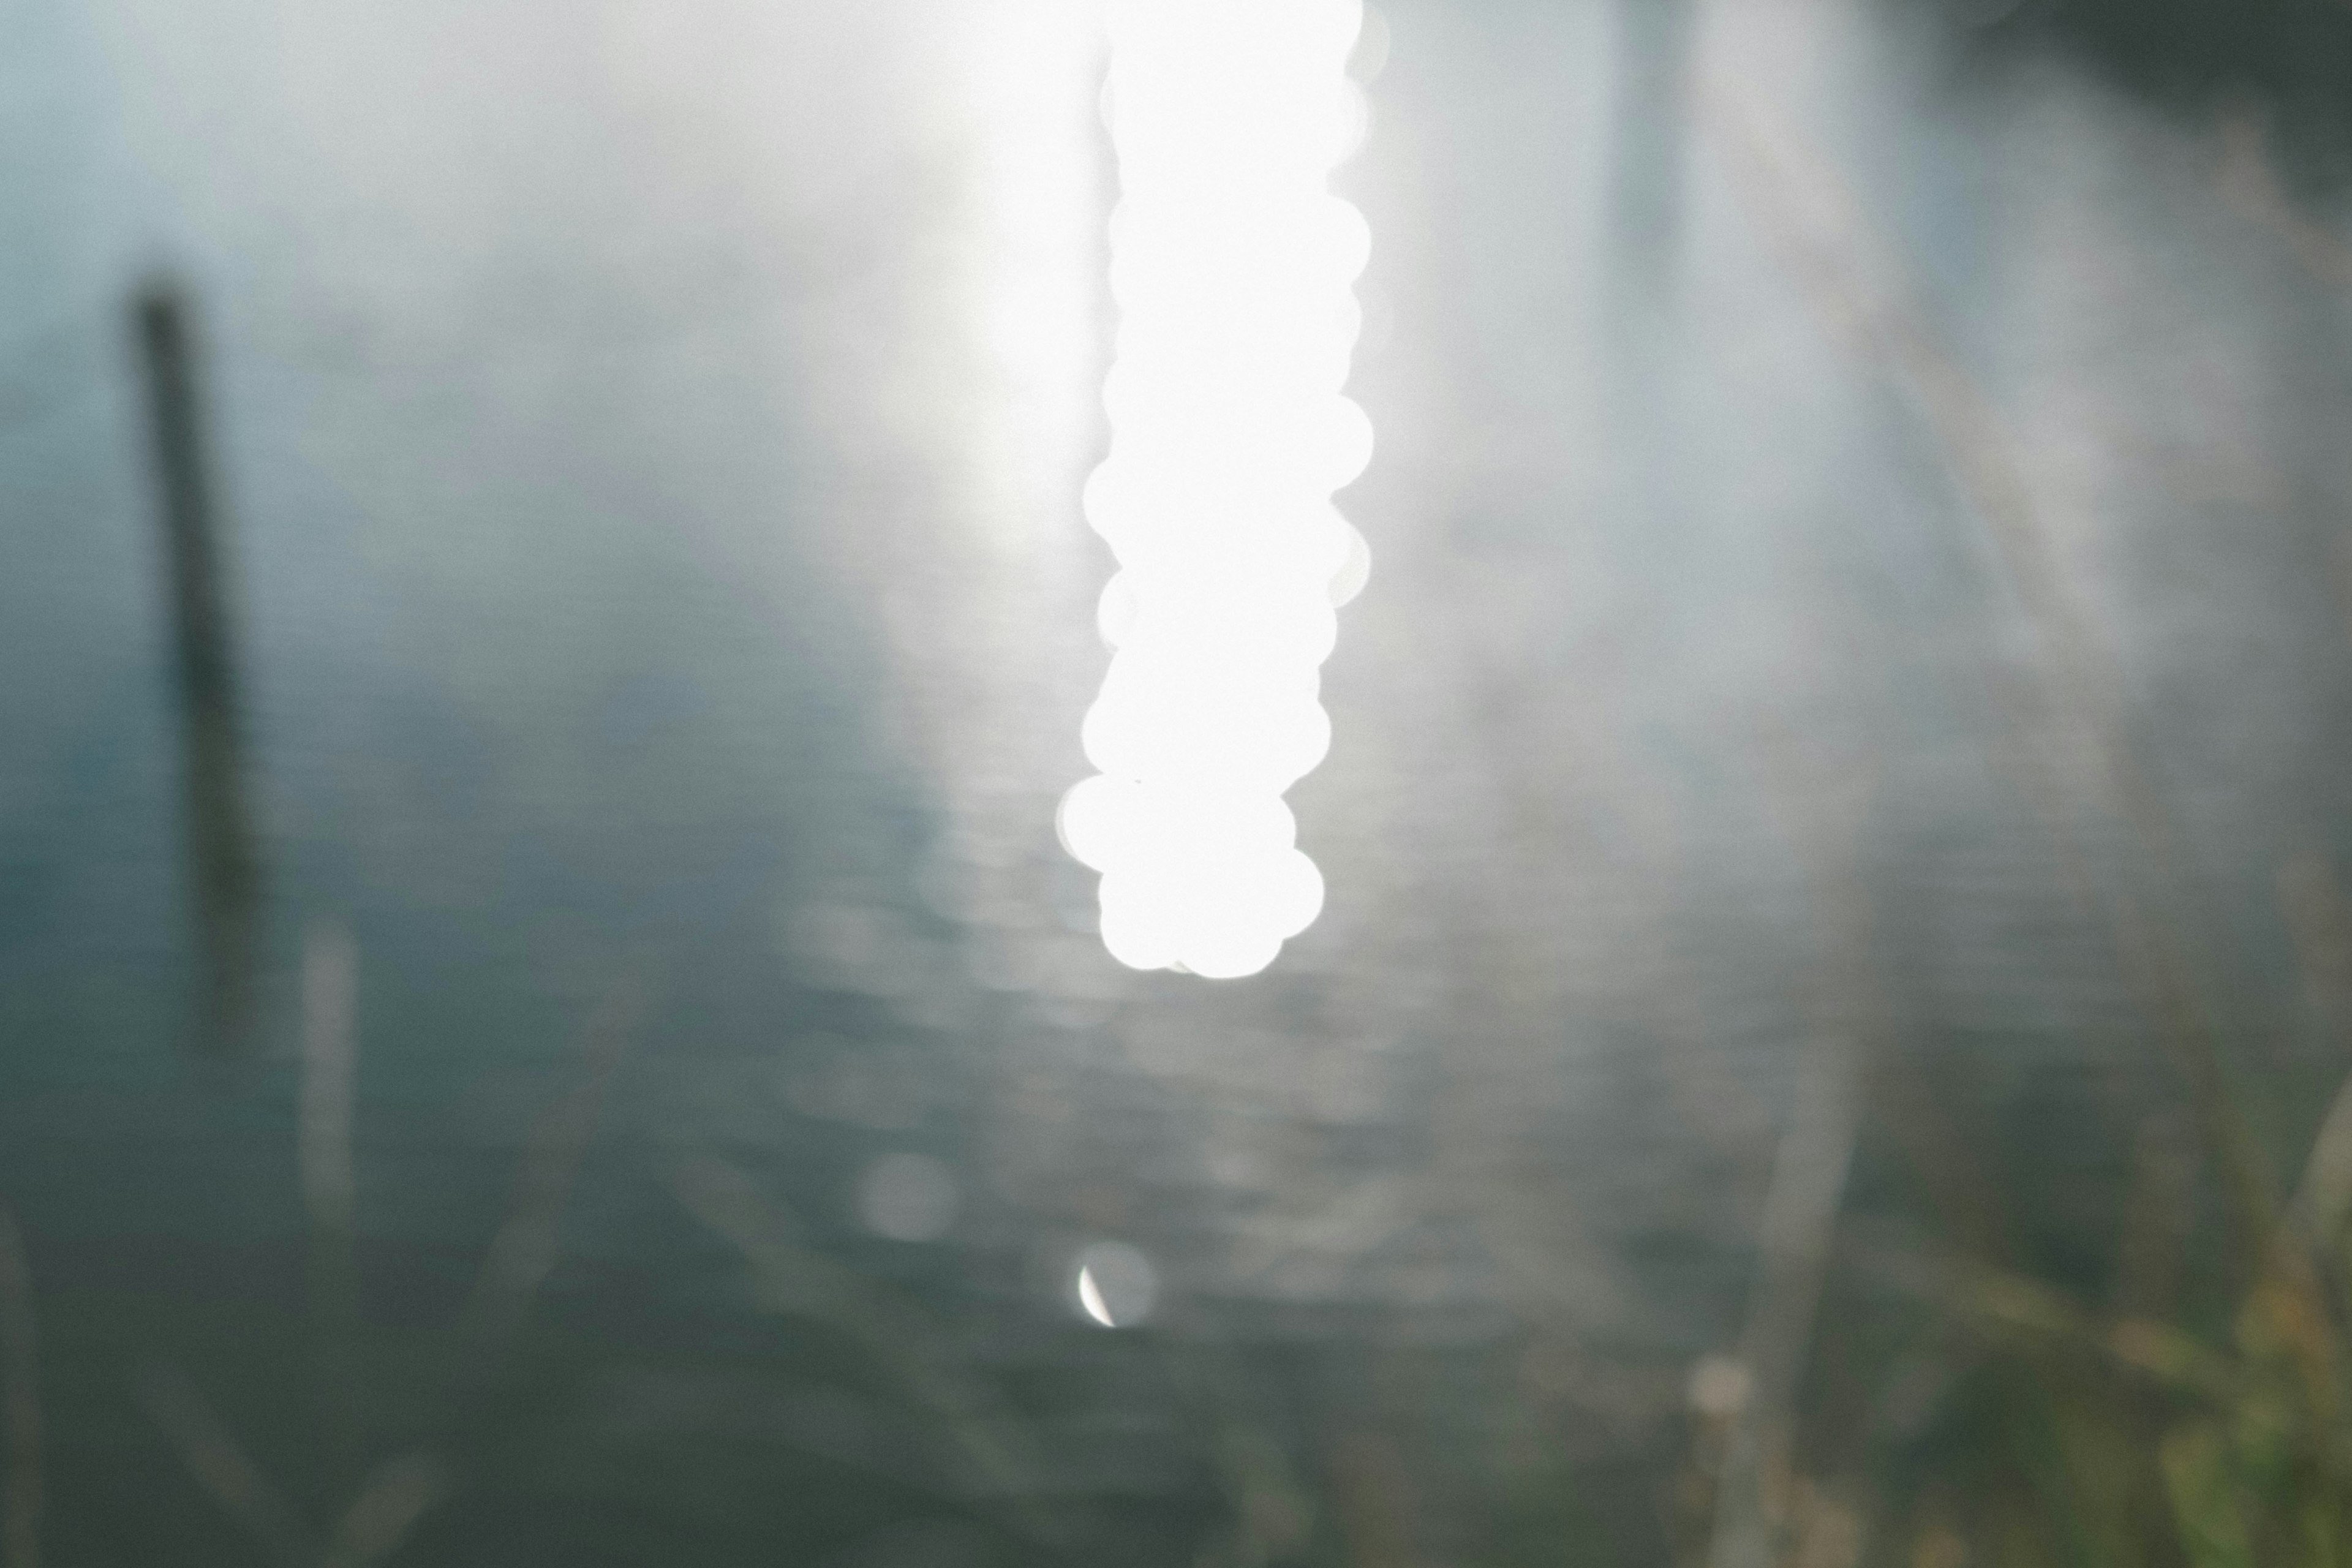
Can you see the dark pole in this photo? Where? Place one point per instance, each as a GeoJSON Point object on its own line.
{"type": "Point", "coordinates": [224, 867]}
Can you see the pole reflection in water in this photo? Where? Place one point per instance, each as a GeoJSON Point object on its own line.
{"type": "Point", "coordinates": [1231, 265]}
{"type": "Point", "coordinates": [225, 868]}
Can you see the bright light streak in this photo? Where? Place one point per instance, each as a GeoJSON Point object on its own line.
{"type": "Point", "coordinates": [1231, 265]}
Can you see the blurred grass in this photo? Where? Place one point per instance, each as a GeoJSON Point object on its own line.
{"type": "Point", "coordinates": [1944, 1404]}
{"type": "Point", "coordinates": [2200, 1418]}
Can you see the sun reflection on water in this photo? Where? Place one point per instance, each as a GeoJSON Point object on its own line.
{"type": "Point", "coordinates": [1233, 266]}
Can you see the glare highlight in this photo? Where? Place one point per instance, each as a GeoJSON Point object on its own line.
{"type": "Point", "coordinates": [1115, 1285]}
{"type": "Point", "coordinates": [1090, 1299]}
{"type": "Point", "coordinates": [1233, 267]}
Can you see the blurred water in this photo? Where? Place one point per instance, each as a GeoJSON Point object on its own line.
{"type": "Point", "coordinates": [1856, 504]}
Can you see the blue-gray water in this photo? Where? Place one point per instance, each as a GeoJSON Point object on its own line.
{"type": "Point", "coordinates": [1859, 544]}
